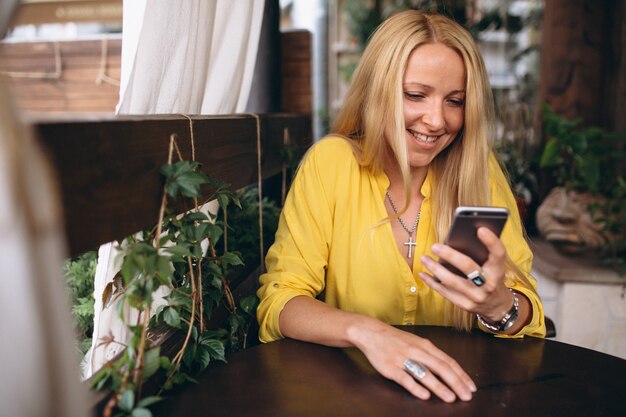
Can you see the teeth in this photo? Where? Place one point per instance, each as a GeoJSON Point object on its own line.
{"type": "Point", "coordinates": [423, 138]}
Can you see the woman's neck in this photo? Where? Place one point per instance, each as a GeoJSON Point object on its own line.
{"type": "Point", "coordinates": [417, 176]}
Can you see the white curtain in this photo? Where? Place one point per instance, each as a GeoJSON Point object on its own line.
{"type": "Point", "coordinates": [191, 57]}
{"type": "Point", "coordinates": [40, 374]}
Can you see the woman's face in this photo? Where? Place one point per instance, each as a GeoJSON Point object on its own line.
{"type": "Point", "coordinates": [434, 96]}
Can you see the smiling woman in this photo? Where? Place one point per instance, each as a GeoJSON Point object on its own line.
{"type": "Point", "coordinates": [371, 203]}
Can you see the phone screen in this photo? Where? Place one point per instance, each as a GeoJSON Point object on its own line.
{"type": "Point", "coordinates": [465, 223]}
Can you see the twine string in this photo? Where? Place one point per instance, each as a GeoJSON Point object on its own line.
{"type": "Point", "coordinates": [260, 189]}
{"type": "Point", "coordinates": [102, 71]}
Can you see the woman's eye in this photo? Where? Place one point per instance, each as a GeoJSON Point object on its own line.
{"type": "Point", "coordinates": [413, 96]}
{"type": "Point", "coordinates": [457, 102]}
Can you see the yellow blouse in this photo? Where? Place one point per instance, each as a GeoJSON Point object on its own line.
{"type": "Point", "coordinates": [330, 239]}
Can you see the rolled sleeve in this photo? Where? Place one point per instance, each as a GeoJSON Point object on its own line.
{"type": "Point", "coordinates": [297, 261]}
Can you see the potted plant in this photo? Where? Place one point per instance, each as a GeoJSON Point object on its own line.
{"type": "Point", "coordinates": [585, 213]}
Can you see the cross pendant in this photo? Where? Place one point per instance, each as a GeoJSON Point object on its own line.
{"type": "Point", "coordinates": [410, 243]}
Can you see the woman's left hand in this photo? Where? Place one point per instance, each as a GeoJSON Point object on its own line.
{"type": "Point", "coordinates": [492, 299]}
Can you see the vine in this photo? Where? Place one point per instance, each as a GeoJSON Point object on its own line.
{"type": "Point", "coordinates": [180, 254]}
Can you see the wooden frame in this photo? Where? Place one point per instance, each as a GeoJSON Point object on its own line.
{"type": "Point", "coordinates": [108, 167]}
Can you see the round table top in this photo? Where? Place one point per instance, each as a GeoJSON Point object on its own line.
{"type": "Point", "coordinates": [515, 377]}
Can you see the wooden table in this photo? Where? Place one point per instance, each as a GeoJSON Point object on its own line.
{"type": "Point", "coordinates": [516, 377]}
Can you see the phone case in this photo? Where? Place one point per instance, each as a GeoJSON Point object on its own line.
{"type": "Point", "coordinates": [462, 234]}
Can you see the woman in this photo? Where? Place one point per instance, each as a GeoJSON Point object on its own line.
{"type": "Point", "coordinates": [371, 202]}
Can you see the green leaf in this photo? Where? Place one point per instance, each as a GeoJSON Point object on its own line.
{"type": "Point", "coordinates": [223, 201]}
{"type": "Point", "coordinates": [196, 216]}
{"type": "Point", "coordinates": [127, 400]}
{"type": "Point", "coordinates": [578, 142]}
{"type": "Point", "coordinates": [171, 317]}
{"type": "Point", "coordinates": [203, 357]}
{"type": "Point", "coordinates": [230, 258]}
{"type": "Point", "coordinates": [163, 270]}
{"type": "Point", "coordinates": [141, 412]}
{"type": "Point", "coordinates": [214, 270]}
{"type": "Point", "coordinates": [214, 232]}
{"type": "Point", "coordinates": [550, 154]}
{"type": "Point", "coordinates": [189, 356]}
{"type": "Point", "coordinates": [180, 250]}
{"type": "Point", "coordinates": [215, 348]}
{"type": "Point", "coordinates": [151, 362]}
{"type": "Point", "coordinates": [590, 171]}
{"type": "Point", "coordinates": [165, 362]}
{"type": "Point", "coordinates": [249, 304]}
{"type": "Point", "coordinates": [148, 401]}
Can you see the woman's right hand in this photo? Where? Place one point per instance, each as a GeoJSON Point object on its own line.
{"type": "Point", "coordinates": [387, 348]}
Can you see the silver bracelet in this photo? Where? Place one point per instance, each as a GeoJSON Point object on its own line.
{"type": "Point", "coordinates": [507, 321]}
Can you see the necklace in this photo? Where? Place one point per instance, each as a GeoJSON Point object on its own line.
{"type": "Point", "coordinates": [410, 243]}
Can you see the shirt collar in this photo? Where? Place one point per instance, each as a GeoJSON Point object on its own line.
{"type": "Point", "coordinates": [383, 183]}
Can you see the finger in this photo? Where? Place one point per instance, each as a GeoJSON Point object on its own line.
{"type": "Point", "coordinates": [435, 386]}
{"type": "Point", "coordinates": [492, 242]}
{"type": "Point", "coordinates": [452, 256]}
{"type": "Point", "coordinates": [446, 280]}
{"type": "Point", "coordinates": [447, 364]}
{"type": "Point", "coordinates": [448, 379]}
{"type": "Point", "coordinates": [401, 377]}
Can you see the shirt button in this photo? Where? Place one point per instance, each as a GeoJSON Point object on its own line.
{"type": "Point", "coordinates": [409, 323]}
{"type": "Point", "coordinates": [413, 289]}
{"type": "Point", "coordinates": [275, 285]}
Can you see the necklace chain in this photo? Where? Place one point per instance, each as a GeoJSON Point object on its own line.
{"type": "Point", "coordinates": [395, 210]}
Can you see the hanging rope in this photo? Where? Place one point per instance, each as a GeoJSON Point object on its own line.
{"type": "Point", "coordinates": [260, 188]}
{"type": "Point", "coordinates": [283, 190]}
{"type": "Point", "coordinates": [102, 71]}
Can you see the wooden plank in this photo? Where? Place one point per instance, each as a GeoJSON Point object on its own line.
{"type": "Point", "coordinates": [108, 167]}
{"type": "Point", "coordinates": [35, 13]}
{"type": "Point", "coordinates": [296, 89]}
{"type": "Point", "coordinates": [76, 89]}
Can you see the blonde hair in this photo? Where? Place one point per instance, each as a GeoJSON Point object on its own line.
{"type": "Point", "coordinates": [374, 105]}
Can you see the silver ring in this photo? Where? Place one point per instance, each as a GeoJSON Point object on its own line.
{"type": "Point", "coordinates": [477, 277]}
{"type": "Point", "coordinates": [416, 370]}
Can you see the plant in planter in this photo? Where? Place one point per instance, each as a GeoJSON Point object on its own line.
{"type": "Point", "coordinates": [519, 169]}
{"type": "Point", "coordinates": [180, 254]}
{"type": "Point", "coordinates": [586, 212]}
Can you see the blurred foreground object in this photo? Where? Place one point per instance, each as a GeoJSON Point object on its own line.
{"type": "Point", "coordinates": [40, 372]}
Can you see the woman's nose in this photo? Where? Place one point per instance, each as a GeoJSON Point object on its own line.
{"type": "Point", "coordinates": [433, 116]}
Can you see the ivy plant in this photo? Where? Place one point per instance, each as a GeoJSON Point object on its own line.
{"type": "Point", "coordinates": [79, 274]}
{"type": "Point", "coordinates": [181, 254]}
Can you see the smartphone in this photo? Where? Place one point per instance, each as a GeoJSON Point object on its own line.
{"type": "Point", "coordinates": [462, 233]}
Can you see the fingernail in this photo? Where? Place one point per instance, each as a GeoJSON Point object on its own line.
{"type": "Point", "coordinates": [448, 396]}
{"type": "Point", "coordinates": [465, 395]}
{"type": "Point", "coordinates": [425, 260]}
{"type": "Point", "coordinates": [472, 386]}
{"type": "Point", "coordinates": [436, 248]}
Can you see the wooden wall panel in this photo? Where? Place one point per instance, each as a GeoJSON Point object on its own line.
{"type": "Point", "coordinates": [75, 88]}
{"type": "Point", "coordinates": [108, 168]}
{"type": "Point", "coordinates": [296, 52]}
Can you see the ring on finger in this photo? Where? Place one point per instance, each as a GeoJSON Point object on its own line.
{"type": "Point", "coordinates": [414, 369]}
{"type": "Point", "coordinates": [477, 277]}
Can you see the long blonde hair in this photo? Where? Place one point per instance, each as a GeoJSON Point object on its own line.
{"type": "Point", "coordinates": [374, 106]}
